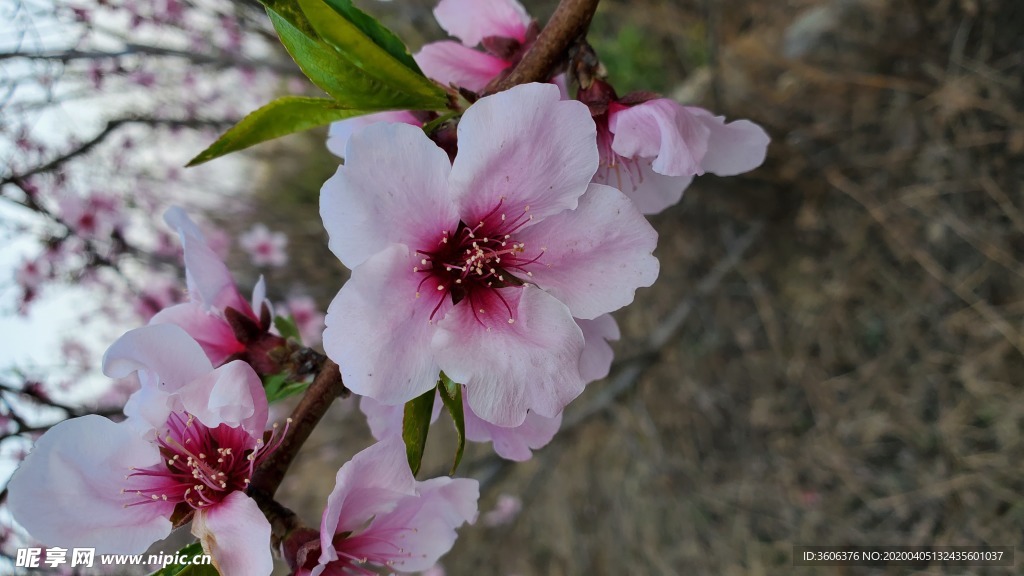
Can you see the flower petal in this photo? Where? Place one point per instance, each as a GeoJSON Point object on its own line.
{"type": "Point", "coordinates": [734, 148]}
{"type": "Point", "coordinates": [596, 255]}
{"type": "Point", "coordinates": [379, 331]}
{"type": "Point", "coordinates": [513, 443]}
{"type": "Point", "coordinates": [386, 421]}
{"type": "Point", "coordinates": [340, 132]}
{"type": "Point", "coordinates": [421, 528]}
{"type": "Point", "coordinates": [164, 354]}
{"type": "Point", "coordinates": [232, 394]}
{"type": "Point", "coordinates": [368, 485]}
{"type": "Point", "coordinates": [473, 20]}
{"type": "Point", "coordinates": [208, 279]}
{"type": "Point", "coordinates": [452, 63]}
{"type": "Point", "coordinates": [525, 150]}
{"type": "Point", "coordinates": [392, 189]}
{"type": "Point", "coordinates": [664, 130]}
{"type": "Point", "coordinates": [636, 178]}
{"type": "Point", "coordinates": [510, 369]}
{"type": "Point", "coordinates": [66, 491]}
{"type": "Point", "coordinates": [596, 361]}
{"type": "Point", "coordinates": [236, 534]}
{"type": "Point", "coordinates": [205, 326]}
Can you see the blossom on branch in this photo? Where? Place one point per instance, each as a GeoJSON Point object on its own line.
{"type": "Point", "coordinates": [379, 517]}
{"type": "Point", "coordinates": [187, 451]}
{"type": "Point", "coordinates": [479, 267]}
{"type": "Point", "coordinates": [216, 315]}
{"type": "Point", "coordinates": [652, 147]}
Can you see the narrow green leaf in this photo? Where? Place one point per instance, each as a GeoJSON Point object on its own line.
{"type": "Point", "coordinates": [287, 327]}
{"type": "Point", "coordinates": [377, 32]}
{"type": "Point", "coordinates": [282, 116]}
{"type": "Point", "coordinates": [451, 395]}
{"type": "Point", "coordinates": [192, 550]}
{"type": "Point", "coordinates": [415, 425]}
{"type": "Point", "coordinates": [334, 73]}
{"type": "Point", "coordinates": [361, 50]}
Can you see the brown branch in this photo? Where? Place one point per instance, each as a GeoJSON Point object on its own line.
{"type": "Point", "coordinates": [326, 387]}
{"type": "Point", "coordinates": [569, 22]}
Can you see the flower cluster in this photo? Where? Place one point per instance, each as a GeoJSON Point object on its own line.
{"type": "Point", "coordinates": [491, 258]}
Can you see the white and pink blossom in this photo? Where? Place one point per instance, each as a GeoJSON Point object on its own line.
{"type": "Point", "coordinates": [265, 248]}
{"type": "Point", "coordinates": [212, 293]}
{"type": "Point", "coordinates": [188, 449]}
{"type": "Point", "coordinates": [651, 148]}
{"type": "Point", "coordinates": [479, 267]}
{"type": "Point", "coordinates": [379, 517]}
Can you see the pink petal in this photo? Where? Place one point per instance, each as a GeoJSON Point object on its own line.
{"type": "Point", "coordinates": [164, 354]}
{"type": "Point", "coordinates": [208, 279]}
{"type": "Point", "coordinates": [379, 331]}
{"type": "Point", "coordinates": [650, 191]}
{"type": "Point", "coordinates": [236, 534]}
{"type": "Point", "coordinates": [205, 326]}
{"type": "Point", "coordinates": [596, 361]}
{"type": "Point", "coordinates": [340, 132]}
{"type": "Point", "coordinates": [421, 528]}
{"type": "Point", "coordinates": [597, 255]}
{"type": "Point", "coordinates": [452, 63]}
{"type": "Point", "coordinates": [392, 189]}
{"type": "Point", "coordinates": [473, 20]}
{"type": "Point", "coordinates": [664, 130]}
{"type": "Point", "coordinates": [368, 485]}
{"type": "Point", "coordinates": [510, 369]}
{"type": "Point", "coordinates": [526, 150]}
{"type": "Point", "coordinates": [67, 491]}
{"type": "Point", "coordinates": [734, 148]}
{"type": "Point", "coordinates": [386, 421]}
{"type": "Point", "coordinates": [232, 394]}
{"type": "Point", "coordinates": [513, 443]}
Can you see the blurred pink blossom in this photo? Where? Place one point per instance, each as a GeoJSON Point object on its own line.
{"type": "Point", "coordinates": [265, 248]}
{"type": "Point", "coordinates": [505, 511]}
{"type": "Point", "coordinates": [307, 316]}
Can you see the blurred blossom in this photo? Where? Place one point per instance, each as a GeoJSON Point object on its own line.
{"type": "Point", "coordinates": [504, 512]}
{"type": "Point", "coordinates": [160, 292]}
{"type": "Point", "coordinates": [264, 247]}
{"type": "Point", "coordinates": [308, 318]}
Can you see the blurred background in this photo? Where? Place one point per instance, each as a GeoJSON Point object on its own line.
{"type": "Point", "coordinates": [833, 353]}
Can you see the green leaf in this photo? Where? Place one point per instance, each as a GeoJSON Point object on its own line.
{"type": "Point", "coordinates": [338, 31]}
{"type": "Point", "coordinates": [337, 74]}
{"type": "Point", "coordinates": [451, 395]}
{"type": "Point", "coordinates": [287, 327]}
{"type": "Point", "coordinates": [381, 36]}
{"type": "Point", "coordinates": [278, 118]}
{"type": "Point", "coordinates": [190, 551]}
{"type": "Point", "coordinates": [278, 387]}
{"type": "Point", "coordinates": [415, 425]}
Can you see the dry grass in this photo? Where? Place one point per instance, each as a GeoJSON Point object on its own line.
{"type": "Point", "coordinates": [856, 379]}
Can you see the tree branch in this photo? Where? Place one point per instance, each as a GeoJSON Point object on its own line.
{"type": "Point", "coordinates": [326, 387]}
{"type": "Point", "coordinates": [569, 22]}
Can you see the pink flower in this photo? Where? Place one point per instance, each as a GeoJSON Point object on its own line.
{"type": "Point", "coordinates": [308, 318]}
{"type": "Point", "coordinates": [512, 443]}
{"type": "Point", "coordinates": [380, 518]}
{"type": "Point", "coordinates": [651, 148]}
{"type": "Point", "coordinates": [159, 292]}
{"type": "Point", "coordinates": [265, 248]}
{"type": "Point", "coordinates": [216, 316]}
{"type": "Point", "coordinates": [116, 486]}
{"type": "Point", "coordinates": [478, 268]}
{"type": "Point", "coordinates": [501, 27]}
